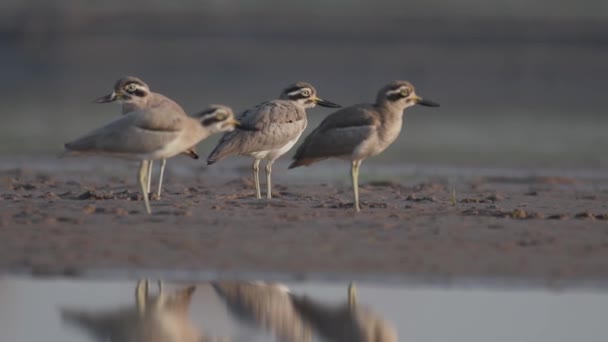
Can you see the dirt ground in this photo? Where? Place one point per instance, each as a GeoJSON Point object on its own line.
{"type": "Point", "coordinates": [67, 216]}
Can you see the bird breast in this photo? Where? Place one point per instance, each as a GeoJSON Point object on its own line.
{"type": "Point", "coordinates": [382, 137]}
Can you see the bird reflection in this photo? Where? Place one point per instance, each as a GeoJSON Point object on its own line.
{"type": "Point", "coordinates": [160, 318]}
{"type": "Point", "coordinates": [294, 318]}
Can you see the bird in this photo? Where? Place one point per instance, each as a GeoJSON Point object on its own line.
{"type": "Point", "coordinates": [279, 125]}
{"type": "Point", "coordinates": [156, 132]}
{"type": "Point", "coordinates": [360, 131]}
{"type": "Point", "coordinates": [296, 318]}
{"type": "Point", "coordinates": [154, 318]}
{"type": "Point", "coordinates": [134, 94]}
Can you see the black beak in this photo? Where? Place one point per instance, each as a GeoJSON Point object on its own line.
{"type": "Point", "coordinates": [427, 103]}
{"type": "Point", "coordinates": [108, 98]}
{"type": "Point", "coordinates": [325, 103]}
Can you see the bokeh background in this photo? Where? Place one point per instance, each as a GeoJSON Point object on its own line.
{"type": "Point", "coordinates": [521, 83]}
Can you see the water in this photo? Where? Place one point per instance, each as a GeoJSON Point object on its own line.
{"type": "Point", "coordinates": [31, 310]}
{"type": "Point", "coordinates": [514, 92]}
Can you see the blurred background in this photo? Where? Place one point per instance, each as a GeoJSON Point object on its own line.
{"type": "Point", "coordinates": [521, 83]}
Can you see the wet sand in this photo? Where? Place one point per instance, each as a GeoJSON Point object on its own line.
{"type": "Point", "coordinates": [69, 216]}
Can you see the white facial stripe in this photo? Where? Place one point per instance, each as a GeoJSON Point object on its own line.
{"type": "Point", "coordinates": [300, 91]}
{"type": "Point", "coordinates": [396, 91]}
{"type": "Point", "coordinates": [136, 86]}
{"type": "Point", "coordinates": [294, 93]}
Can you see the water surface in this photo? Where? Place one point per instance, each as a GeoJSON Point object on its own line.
{"type": "Point", "coordinates": [31, 310]}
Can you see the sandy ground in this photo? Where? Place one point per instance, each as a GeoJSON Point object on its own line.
{"type": "Point", "coordinates": [68, 216]}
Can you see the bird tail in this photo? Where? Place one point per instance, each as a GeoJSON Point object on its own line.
{"type": "Point", "coordinates": [214, 156]}
{"type": "Point", "coordinates": [68, 151]}
{"type": "Point", "coordinates": [192, 153]}
{"type": "Point", "coordinates": [221, 151]}
{"type": "Point", "coordinates": [303, 162]}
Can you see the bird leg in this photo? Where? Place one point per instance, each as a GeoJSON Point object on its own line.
{"type": "Point", "coordinates": [162, 173]}
{"type": "Point", "coordinates": [352, 295]}
{"type": "Point", "coordinates": [268, 183]}
{"type": "Point", "coordinates": [160, 301]}
{"type": "Point", "coordinates": [149, 179]}
{"type": "Point", "coordinates": [355, 176]}
{"type": "Point", "coordinates": [256, 177]}
{"type": "Point", "coordinates": [143, 171]}
{"type": "Point", "coordinates": [141, 295]}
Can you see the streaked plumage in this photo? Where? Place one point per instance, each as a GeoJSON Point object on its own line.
{"type": "Point", "coordinates": [279, 125]}
{"type": "Point", "coordinates": [361, 131]}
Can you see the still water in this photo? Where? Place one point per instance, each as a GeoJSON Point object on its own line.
{"type": "Point", "coordinates": [71, 310]}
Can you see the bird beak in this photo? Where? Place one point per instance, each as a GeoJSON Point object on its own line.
{"type": "Point", "coordinates": [239, 125]}
{"type": "Point", "coordinates": [325, 103]}
{"type": "Point", "coordinates": [425, 102]}
{"type": "Point", "coordinates": [108, 98]}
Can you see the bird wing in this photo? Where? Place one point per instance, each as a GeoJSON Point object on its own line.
{"type": "Point", "coordinates": [277, 122]}
{"type": "Point", "coordinates": [338, 134]}
{"type": "Point", "coordinates": [138, 132]}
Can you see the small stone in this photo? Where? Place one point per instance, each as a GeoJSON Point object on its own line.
{"type": "Point", "coordinates": [121, 212]}
{"type": "Point", "coordinates": [50, 220]}
{"type": "Point", "coordinates": [495, 198]}
{"type": "Point", "coordinates": [89, 209]}
{"type": "Point", "coordinates": [519, 214]}
{"type": "Point", "coordinates": [585, 216]}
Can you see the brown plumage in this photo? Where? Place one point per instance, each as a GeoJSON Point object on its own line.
{"type": "Point", "coordinates": [158, 130]}
{"type": "Point", "coordinates": [278, 126]}
{"type": "Point", "coordinates": [338, 134]}
{"type": "Point", "coordinates": [361, 131]}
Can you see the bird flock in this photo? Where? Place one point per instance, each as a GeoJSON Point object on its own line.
{"type": "Point", "coordinates": [153, 127]}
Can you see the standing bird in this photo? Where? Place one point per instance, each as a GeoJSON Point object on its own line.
{"type": "Point", "coordinates": [157, 132]}
{"type": "Point", "coordinates": [279, 125]}
{"type": "Point", "coordinates": [134, 94]}
{"type": "Point", "coordinates": [360, 131]}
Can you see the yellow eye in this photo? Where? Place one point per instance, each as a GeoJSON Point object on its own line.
{"type": "Point", "coordinates": [131, 88]}
{"type": "Point", "coordinates": [405, 92]}
{"type": "Point", "coordinates": [306, 92]}
{"type": "Point", "coordinates": [221, 116]}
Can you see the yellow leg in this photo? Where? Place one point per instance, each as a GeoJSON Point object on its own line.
{"type": "Point", "coordinates": [268, 182]}
{"type": "Point", "coordinates": [352, 295]}
{"type": "Point", "coordinates": [355, 177]}
{"type": "Point", "coordinates": [143, 171]}
{"type": "Point", "coordinates": [162, 173]}
{"type": "Point", "coordinates": [256, 178]}
{"type": "Point", "coordinates": [149, 179]}
{"type": "Point", "coordinates": [141, 295]}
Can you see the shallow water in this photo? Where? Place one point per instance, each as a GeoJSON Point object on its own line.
{"type": "Point", "coordinates": [31, 310]}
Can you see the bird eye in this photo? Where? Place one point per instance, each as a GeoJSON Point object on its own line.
{"type": "Point", "coordinates": [221, 116]}
{"type": "Point", "coordinates": [131, 88]}
{"type": "Point", "coordinates": [405, 92]}
{"type": "Point", "coordinates": [306, 92]}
